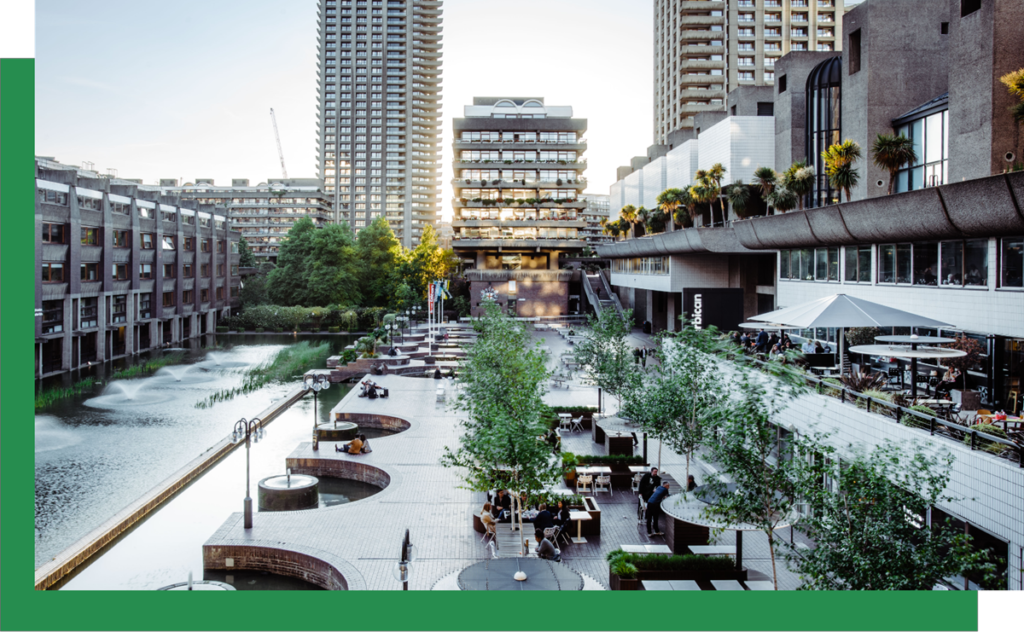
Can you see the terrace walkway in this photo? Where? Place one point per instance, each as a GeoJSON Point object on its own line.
{"type": "Point", "coordinates": [361, 540]}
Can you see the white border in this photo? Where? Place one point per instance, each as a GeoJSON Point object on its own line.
{"type": "Point", "coordinates": [17, 29]}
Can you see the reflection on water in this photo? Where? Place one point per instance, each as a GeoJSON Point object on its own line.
{"type": "Point", "coordinates": [338, 491]}
{"type": "Point", "coordinates": [98, 452]}
{"type": "Point", "coordinates": [259, 580]}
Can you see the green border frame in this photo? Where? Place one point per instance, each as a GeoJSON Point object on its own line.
{"type": "Point", "coordinates": [26, 609]}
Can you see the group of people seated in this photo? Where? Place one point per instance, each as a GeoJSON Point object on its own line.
{"type": "Point", "coordinates": [359, 445]}
{"type": "Point", "coordinates": [500, 510]}
{"type": "Point", "coordinates": [369, 389]}
{"type": "Point", "coordinates": [775, 346]}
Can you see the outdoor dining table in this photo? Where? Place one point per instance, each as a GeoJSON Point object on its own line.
{"type": "Point", "coordinates": [579, 517]}
{"type": "Point", "coordinates": [712, 549]}
{"type": "Point", "coordinates": [639, 469]}
{"type": "Point", "coordinates": [1010, 423]}
{"type": "Point", "coordinates": [647, 549]}
{"type": "Point", "coordinates": [594, 469]}
{"type": "Point", "coordinates": [676, 584]}
{"type": "Point", "coordinates": [726, 584]}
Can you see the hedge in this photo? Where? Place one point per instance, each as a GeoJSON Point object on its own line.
{"type": "Point", "coordinates": [334, 330]}
{"type": "Point", "coordinates": [259, 330]}
{"type": "Point", "coordinates": [698, 563]}
{"type": "Point", "coordinates": [222, 330]}
{"type": "Point", "coordinates": [292, 318]}
{"type": "Point", "coordinates": [609, 459]}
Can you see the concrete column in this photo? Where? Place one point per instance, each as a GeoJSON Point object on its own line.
{"type": "Point", "coordinates": [650, 309]}
{"type": "Point", "coordinates": [671, 311]}
{"type": "Point", "coordinates": [101, 335]}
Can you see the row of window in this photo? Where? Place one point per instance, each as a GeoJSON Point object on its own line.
{"type": "Point", "coordinates": [518, 214]}
{"type": "Point", "coordinates": [519, 137]}
{"type": "Point", "coordinates": [54, 272]}
{"type": "Point", "coordinates": [88, 311]}
{"type": "Point", "coordinates": [947, 263]}
{"type": "Point", "coordinates": [641, 265]}
{"type": "Point", "coordinates": [495, 232]}
{"type": "Point", "coordinates": [94, 204]}
{"type": "Point", "coordinates": [58, 234]}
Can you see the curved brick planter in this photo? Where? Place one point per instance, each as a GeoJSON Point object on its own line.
{"type": "Point", "coordinates": [303, 494]}
{"type": "Point", "coordinates": [314, 566]}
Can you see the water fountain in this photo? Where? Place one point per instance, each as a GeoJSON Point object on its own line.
{"type": "Point", "coordinates": [176, 372]}
{"type": "Point", "coordinates": [290, 492]}
{"type": "Point", "coordinates": [127, 393]}
{"type": "Point", "coordinates": [51, 434]}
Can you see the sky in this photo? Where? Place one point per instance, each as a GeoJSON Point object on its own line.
{"type": "Point", "coordinates": [184, 89]}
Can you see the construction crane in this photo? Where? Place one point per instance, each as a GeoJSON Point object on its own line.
{"type": "Point", "coordinates": [280, 152]}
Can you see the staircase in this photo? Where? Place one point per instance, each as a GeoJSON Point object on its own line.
{"type": "Point", "coordinates": [598, 296]}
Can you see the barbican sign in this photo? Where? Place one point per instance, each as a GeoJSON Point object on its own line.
{"type": "Point", "coordinates": [721, 307]}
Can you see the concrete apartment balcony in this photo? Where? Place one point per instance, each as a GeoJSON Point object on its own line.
{"type": "Point", "coordinates": [548, 276]}
{"type": "Point", "coordinates": [702, 79]}
{"type": "Point", "coordinates": [702, 20]}
{"type": "Point", "coordinates": [700, 6]}
{"type": "Point", "coordinates": [691, 35]}
{"type": "Point", "coordinates": [526, 223]}
{"type": "Point", "coordinates": [702, 64]}
{"type": "Point", "coordinates": [702, 50]}
{"type": "Point", "coordinates": [459, 243]}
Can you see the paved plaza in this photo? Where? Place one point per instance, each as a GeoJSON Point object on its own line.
{"type": "Point", "coordinates": [362, 540]}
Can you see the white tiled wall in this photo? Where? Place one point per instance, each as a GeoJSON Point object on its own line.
{"type": "Point", "coordinates": [990, 489]}
{"type": "Point", "coordinates": [740, 143]}
{"type": "Point", "coordinates": [632, 189]}
{"type": "Point", "coordinates": [681, 162]}
{"type": "Point", "coordinates": [654, 182]}
{"type": "Point", "coordinates": [615, 200]}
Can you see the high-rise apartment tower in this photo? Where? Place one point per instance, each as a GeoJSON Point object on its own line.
{"type": "Point", "coordinates": [379, 111]}
{"type": "Point", "coordinates": [703, 49]}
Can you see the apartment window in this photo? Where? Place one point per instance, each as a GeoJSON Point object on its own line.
{"type": "Point", "coordinates": [54, 233]}
{"type": "Point", "coordinates": [220, 247]}
{"type": "Point", "coordinates": [119, 309]}
{"type": "Point", "coordinates": [204, 295]}
{"type": "Point", "coordinates": [145, 271]}
{"type": "Point", "coordinates": [220, 269]}
{"type": "Point", "coordinates": [931, 144]}
{"type": "Point", "coordinates": [145, 306]}
{"type": "Point", "coordinates": [53, 317]}
{"type": "Point", "coordinates": [204, 245]}
{"type": "Point", "coordinates": [746, 76]}
{"type": "Point", "coordinates": [121, 239]}
{"type": "Point", "coordinates": [190, 244]}
{"type": "Point", "coordinates": [90, 236]}
{"type": "Point", "coordinates": [88, 313]}
{"type": "Point", "coordinates": [1011, 262]}
{"type": "Point", "coordinates": [121, 208]}
{"type": "Point", "coordinates": [826, 264]}
{"type": "Point", "coordinates": [148, 241]}
{"type": "Point", "coordinates": [797, 265]}
{"type": "Point", "coordinates": [234, 291]}
{"type": "Point", "coordinates": [88, 203]}
{"type": "Point", "coordinates": [234, 270]}
{"type": "Point", "coordinates": [858, 264]}
{"type": "Point", "coordinates": [963, 263]}
{"type": "Point", "coordinates": [188, 296]}
{"type": "Point", "coordinates": [168, 242]}
{"type": "Point", "coordinates": [53, 197]}
{"type": "Point", "coordinates": [120, 271]}
{"type": "Point", "coordinates": [53, 273]}
{"type": "Point", "coordinates": [187, 219]}
{"type": "Point", "coordinates": [204, 222]}
{"type": "Point", "coordinates": [220, 293]}
{"type": "Point", "coordinates": [204, 270]}
{"type": "Point", "coordinates": [168, 270]}
{"type": "Point", "coordinates": [766, 108]}
{"type": "Point", "coordinates": [168, 299]}
{"type": "Point", "coordinates": [824, 46]}
{"type": "Point", "coordinates": [167, 216]}
{"type": "Point", "coordinates": [853, 49]}
{"type": "Point", "coordinates": [186, 270]}
{"type": "Point", "coordinates": [968, 7]}
{"type": "Point", "coordinates": [89, 272]}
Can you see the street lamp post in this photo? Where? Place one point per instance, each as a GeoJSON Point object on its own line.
{"type": "Point", "coordinates": [404, 567]}
{"type": "Point", "coordinates": [248, 429]}
{"type": "Point", "coordinates": [316, 383]}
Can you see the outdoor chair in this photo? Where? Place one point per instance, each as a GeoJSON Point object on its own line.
{"type": "Point", "coordinates": [584, 483]}
{"type": "Point", "coordinates": [550, 533]}
{"type": "Point", "coordinates": [577, 424]}
{"type": "Point", "coordinates": [895, 375]}
{"type": "Point", "coordinates": [565, 423]}
{"type": "Point", "coordinates": [603, 484]}
{"type": "Point", "coordinates": [641, 510]}
{"type": "Point", "coordinates": [490, 533]}
{"type": "Point", "coordinates": [634, 484]}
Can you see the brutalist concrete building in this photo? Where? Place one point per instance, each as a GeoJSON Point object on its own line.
{"type": "Point", "coordinates": [122, 268]}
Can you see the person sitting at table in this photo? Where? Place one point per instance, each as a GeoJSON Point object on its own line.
{"type": "Point", "coordinates": [948, 381]}
{"type": "Point", "coordinates": [503, 503]}
{"type": "Point", "coordinates": [818, 348]}
{"type": "Point", "coordinates": [545, 549]}
{"type": "Point", "coordinates": [544, 519]}
{"type": "Point", "coordinates": [777, 354]}
{"type": "Point", "coordinates": [691, 483]}
{"type": "Point", "coordinates": [773, 340]}
{"type": "Point", "coordinates": [562, 513]}
{"type": "Point", "coordinates": [808, 346]}
{"type": "Point", "coordinates": [744, 340]}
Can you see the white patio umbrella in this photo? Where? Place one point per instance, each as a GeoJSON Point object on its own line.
{"type": "Point", "coordinates": [842, 311]}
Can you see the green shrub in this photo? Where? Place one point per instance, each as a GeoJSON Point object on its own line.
{"type": "Point", "coordinates": [624, 569]}
{"type": "Point", "coordinates": [222, 330]}
{"type": "Point", "coordinates": [985, 444]}
{"type": "Point", "coordinates": [679, 563]}
{"type": "Point", "coordinates": [349, 355]}
{"type": "Point", "coordinates": [334, 330]}
{"type": "Point", "coordinates": [259, 330]}
{"type": "Point", "coordinates": [279, 329]}
{"type": "Point", "coordinates": [573, 410]}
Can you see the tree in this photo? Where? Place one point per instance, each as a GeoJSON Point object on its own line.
{"type": "Point", "coordinates": [1014, 82]}
{"type": "Point", "coordinates": [738, 195]}
{"type": "Point", "coordinates": [333, 268]}
{"type": "Point", "coordinates": [768, 474]}
{"type": "Point", "coordinates": [869, 526]}
{"type": "Point", "coordinates": [839, 159]}
{"type": "Point", "coordinates": [427, 262]}
{"type": "Point", "coordinates": [686, 201]}
{"type": "Point", "coordinates": [765, 179]}
{"type": "Point", "coordinates": [254, 287]}
{"type": "Point", "coordinates": [504, 376]}
{"type": "Point", "coordinates": [891, 152]}
{"type": "Point", "coordinates": [628, 214]}
{"type": "Point", "coordinates": [669, 200]}
{"type": "Point", "coordinates": [245, 257]}
{"type": "Point", "coordinates": [715, 175]}
{"type": "Point", "coordinates": [782, 198]}
{"type": "Point", "coordinates": [289, 283]}
{"type": "Point", "coordinates": [608, 353]}
{"type": "Point", "coordinates": [799, 179]}
{"type": "Point", "coordinates": [702, 192]}
{"type": "Point", "coordinates": [379, 255]}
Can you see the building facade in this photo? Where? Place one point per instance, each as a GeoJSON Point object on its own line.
{"type": "Point", "coordinates": [263, 213]}
{"type": "Point", "coordinates": [517, 206]}
{"type": "Point", "coordinates": [597, 209]}
{"type": "Point", "coordinates": [152, 271]}
{"type": "Point", "coordinates": [703, 49]}
{"type": "Point", "coordinates": [379, 106]}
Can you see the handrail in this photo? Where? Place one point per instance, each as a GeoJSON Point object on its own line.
{"type": "Point", "coordinates": [591, 295]}
{"type": "Point", "coordinates": [606, 284]}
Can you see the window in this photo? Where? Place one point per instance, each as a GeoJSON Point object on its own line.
{"type": "Point", "coordinates": [190, 244]}
{"type": "Point", "coordinates": [147, 241]}
{"type": "Point", "coordinates": [145, 306]}
{"type": "Point", "coordinates": [204, 270]}
{"type": "Point", "coordinates": [168, 216]}
{"type": "Point", "coordinates": [88, 312]}
{"type": "Point", "coordinates": [220, 293]}
{"type": "Point", "coordinates": [1011, 261]}
{"type": "Point", "coordinates": [826, 264]}
{"type": "Point", "coordinates": [220, 269]}
{"type": "Point", "coordinates": [944, 28]}
{"type": "Point", "coordinates": [188, 220]}
{"type": "Point", "coordinates": [765, 108]}
{"type": "Point", "coordinates": [145, 212]}
{"type": "Point", "coordinates": [926, 263]}
{"type": "Point", "coordinates": [968, 7]}
{"type": "Point", "coordinates": [204, 295]}
{"type": "Point", "coordinates": [234, 270]}
{"type": "Point", "coordinates": [204, 245]}
{"type": "Point", "coordinates": [90, 236]}
{"type": "Point", "coordinates": [88, 203]}
{"type": "Point", "coordinates": [798, 265]}
{"type": "Point", "coordinates": [119, 309]}
{"type": "Point", "coordinates": [120, 272]}
{"type": "Point", "coordinates": [53, 317]}
{"type": "Point", "coordinates": [931, 144]}
{"type": "Point", "coordinates": [145, 270]}
{"type": "Point", "coordinates": [186, 270]}
{"type": "Point", "coordinates": [121, 208]}
{"type": "Point", "coordinates": [858, 264]}
{"type": "Point", "coordinates": [168, 299]}
{"type": "Point", "coordinates": [168, 243]}
{"type": "Point", "coordinates": [53, 273]}
{"type": "Point", "coordinates": [823, 125]}
{"type": "Point", "coordinates": [54, 233]}
{"type": "Point", "coordinates": [90, 272]}
{"type": "Point", "coordinates": [642, 265]}
{"type": "Point", "coordinates": [121, 239]}
{"type": "Point", "coordinates": [853, 49]}
{"type": "Point", "coordinates": [53, 197]}
{"type": "Point", "coordinates": [168, 270]}
{"type": "Point", "coordinates": [234, 291]}
{"type": "Point", "coordinates": [188, 296]}
{"type": "Point", "coordinates": [220, 247]}
{"type": "Point", "coordinates": [782, 84]}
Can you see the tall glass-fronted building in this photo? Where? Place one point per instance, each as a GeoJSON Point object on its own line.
{"type": "Point", "coordinates": [379, 111]}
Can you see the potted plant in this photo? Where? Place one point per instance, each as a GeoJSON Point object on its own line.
{"type": "Point", "coordinates": [569, 463]}
{"type": "Point", "coordinates": [623, 575]}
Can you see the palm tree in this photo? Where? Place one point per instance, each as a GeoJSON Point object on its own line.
{"type": "Point", "coordinates": [643, 218]}
{"type": "Point", "coordinates": [628, 214]}
{"type": "Point", "coordinates": [799, 179]}
{"type": "Point", "coordinates": [892, 152]}
{"type": "Point", "coordinates": [782, 199]}
{"type": "Point", "coordinates": [715, 176]}
{"type": "Point", "coordinates": [669, 200]}
{"type": "Point", "coordinates": [1014, 82]}
{"type": "Point", "coordinates": [738, 195]}
{"type": "Point", "coordinates": [765, 179]}
{"type": "Point", "coordinates": [702, 193]}
{"type": "Point", "coordinates": [687, 212]}
{"type": "Point", "coordinates": [839, 159]}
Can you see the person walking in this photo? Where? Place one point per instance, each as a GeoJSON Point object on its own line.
{"type": "Point", "coordinates": [654, 509]}
{"type": "Point", "coordinates": [762, 341]}
{"type": "Point", "coordinates": [643, 357]}
{"type": "Point", "coordinates": [636, 355]}
{"type": "Point", "coordinates": [648, 482]}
